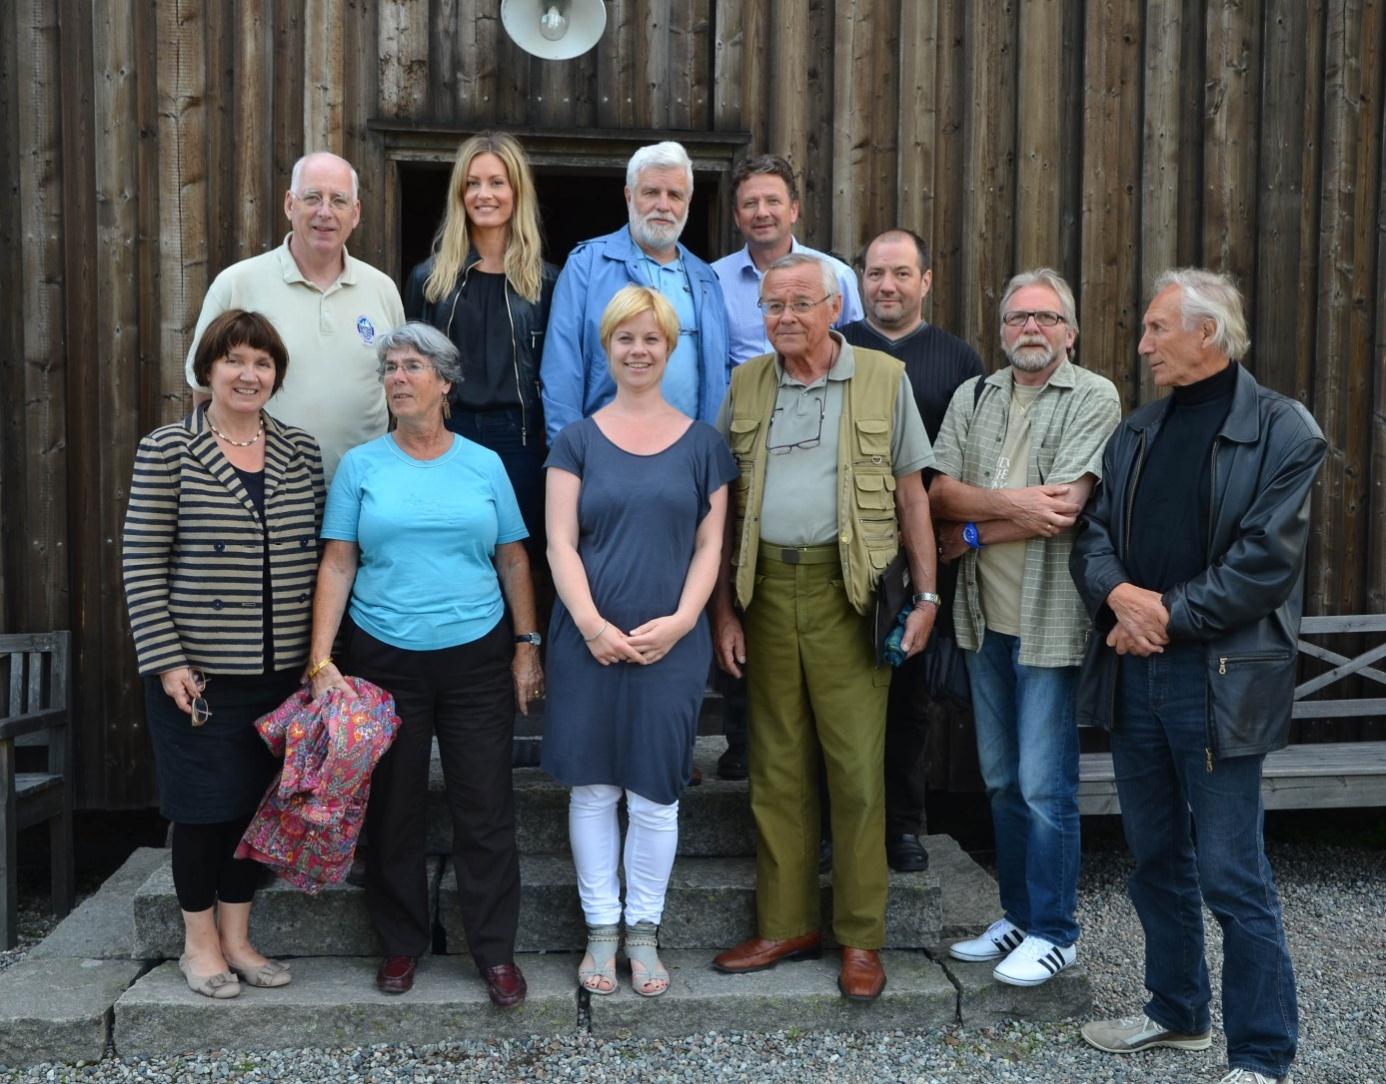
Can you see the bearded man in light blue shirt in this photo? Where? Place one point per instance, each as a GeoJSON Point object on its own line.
{"type": "Point", "coordinates": [647, 252]}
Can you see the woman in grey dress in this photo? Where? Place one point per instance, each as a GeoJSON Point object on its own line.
{"type": "Point", "coordinates": [636, 506]}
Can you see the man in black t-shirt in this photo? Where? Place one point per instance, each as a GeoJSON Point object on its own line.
{"type": "Point", "coordinates": [896, 278]}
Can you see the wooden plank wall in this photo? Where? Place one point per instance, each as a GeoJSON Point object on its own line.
{"type": "Point", "coordinates": [151, 145]}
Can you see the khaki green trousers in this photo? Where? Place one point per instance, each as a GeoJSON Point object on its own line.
{"type": "Point", "coordinates": [812, 684]}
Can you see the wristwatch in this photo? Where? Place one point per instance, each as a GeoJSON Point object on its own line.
{"type": "Point", "coordinates": [926, 596]}
{"type": "Point", "coordinates": [529, 638]}
{"type": "Point", "coordinates": [971, 537]}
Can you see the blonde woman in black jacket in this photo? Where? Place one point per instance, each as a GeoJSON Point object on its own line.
{"type": "Point", "coordinates": [219, 560]}
{"type": "Point", "coordinates": [487, 288]}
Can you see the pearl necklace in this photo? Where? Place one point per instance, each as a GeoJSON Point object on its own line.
{"type": "Point", "coordinates": [236, 443]}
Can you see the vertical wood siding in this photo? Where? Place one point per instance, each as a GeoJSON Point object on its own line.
{"type": "Point", "coordinates": [151, 145]}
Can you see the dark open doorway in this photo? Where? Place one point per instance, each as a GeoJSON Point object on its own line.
{"type": "Point", "coordinates": [574, 204]}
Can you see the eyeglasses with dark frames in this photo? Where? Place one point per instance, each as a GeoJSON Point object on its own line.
{"type": "Point", "coordinates": [806, 444]}
{"type": "Point", "coordinates": [1042, 317]}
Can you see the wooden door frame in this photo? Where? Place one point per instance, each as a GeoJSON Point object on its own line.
{"type": "Point", "coordinates": [581, 149]}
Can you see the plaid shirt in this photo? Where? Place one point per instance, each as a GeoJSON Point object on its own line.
{"type": "Point", "coordinates": [1070, 421]}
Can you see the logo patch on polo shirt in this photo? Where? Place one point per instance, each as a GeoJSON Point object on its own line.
{"type": "Point", "coordinates": [365, 329]}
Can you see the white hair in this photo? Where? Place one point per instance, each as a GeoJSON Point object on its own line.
{"type": "Point", "coordinates": [1208, 295]}
{"type": "Point", "coordinates": [297, 174]}
{"type": "Point", "coordinates": [666, 155]}
{"type": "Point", "coordinates": [1043, 276]}
{"type": "Point", "coordinates": [803, 259]}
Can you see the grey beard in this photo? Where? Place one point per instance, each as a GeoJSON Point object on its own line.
{"type": "Point", "coordinates": [656, 238]}
{"type": "Point", "coordinates": [1031, 363]}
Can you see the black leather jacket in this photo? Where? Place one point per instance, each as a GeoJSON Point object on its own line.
{"type": "Point", "coordinates": [528, 320]}
{"type": "Point", "coordinates": [1245, 606]}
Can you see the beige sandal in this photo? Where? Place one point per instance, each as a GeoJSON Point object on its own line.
{"type": "Point", "coordinates": [602, 942]}
{"type": "Point", "coordinates": [642, 950]}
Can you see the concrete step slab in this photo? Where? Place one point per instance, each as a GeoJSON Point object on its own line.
{"type": "Point", "coordinates": [714, 818]}
{"type": "Point", "coordinates": [103, 927]}
{"type": "Point", "coordinates": [59, 1009]}
{"type": "Point", "coordinates": [710, 905]}
{"type": "Point", "coordinates": [982, 1001]}
{"type": "Point", "coordinates": [283, 921]}
{"type": "Point", "coordinates": [798, 994]}
{"type": "Point", "coordinates": [333, 1002]}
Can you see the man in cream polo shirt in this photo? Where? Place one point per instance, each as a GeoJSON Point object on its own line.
{"type": "Point", "coordinates": [327, 307]}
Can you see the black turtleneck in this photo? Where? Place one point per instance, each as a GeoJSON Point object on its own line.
{"type": "Point", "coordinates": [1169, 518]}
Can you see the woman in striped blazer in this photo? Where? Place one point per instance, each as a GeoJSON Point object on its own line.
{"type": "Point", "coordinates": [220, 557]}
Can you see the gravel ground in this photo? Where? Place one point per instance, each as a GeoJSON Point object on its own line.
{"type": "Point", "coordinates": [1334, 894]}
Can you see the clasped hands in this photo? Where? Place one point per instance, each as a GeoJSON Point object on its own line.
{"type": "Point", "coordinates": [643, 645]}
{"type": "Point", "coordinates": [1142, 626]}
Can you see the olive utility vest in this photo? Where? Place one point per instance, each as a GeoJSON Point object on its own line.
{"type": "Point", "coordinates": [868, 533]}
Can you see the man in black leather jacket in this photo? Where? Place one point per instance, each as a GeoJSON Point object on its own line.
{"type": "Point", "coordinates": [1190, 558]}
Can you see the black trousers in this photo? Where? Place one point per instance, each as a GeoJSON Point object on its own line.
{"type": "Point", "coordinates": [205, 866]}
{"type": "Point", "coordinates": [465, 695]}
{"type": "Point", "coordinates": [907, 731]}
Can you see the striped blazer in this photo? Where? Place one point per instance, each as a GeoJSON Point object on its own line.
{"type": "Point", "coordinates": [194, 550]}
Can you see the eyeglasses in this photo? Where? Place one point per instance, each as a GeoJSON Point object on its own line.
{"type": "Point", "coordinates": [807, 443]}
{"type": "Point", "coordinates": [200, 711]}
{"type": "Point", "coordinates": [413, 367]}
{"type": "Point", "coordinates": [801, 306]}
{"type": "Point", "coordinates": [314, 199]}
{"type": "Point", "coordinates": [1044, 318]}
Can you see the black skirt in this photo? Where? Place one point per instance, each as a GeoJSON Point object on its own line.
{"type": "Point", "coordinates": [218, 771]}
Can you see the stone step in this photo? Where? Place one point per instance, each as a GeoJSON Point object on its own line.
{"type": "Point", "coordinates": [714, 818]}
{"type": "Point", "coordinates": [333, 1002]}
{"type": "Point", "coordinates": [710, 905]}
{"type": "Point", "coordinates": [283, 920]}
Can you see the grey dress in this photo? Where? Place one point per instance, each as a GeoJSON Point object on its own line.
{"type": "Point", "coordinates": [628, 725]}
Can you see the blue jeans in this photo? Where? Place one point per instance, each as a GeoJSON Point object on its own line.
{"type": "Point", "coordinates": [1191, 829]}
{"type": "Point", "coordinates": [1027, 742]}
{"type": "Point", "coordinates": [522, 453]}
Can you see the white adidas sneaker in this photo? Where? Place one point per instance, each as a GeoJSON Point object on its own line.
{"type": "Point", "coordinates": [1034, 961]}
{"type": "Point", "coordinates": [1001, 937]}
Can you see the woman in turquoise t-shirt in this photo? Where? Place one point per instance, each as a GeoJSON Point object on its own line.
{"type": "Point", "coordinates": [423, 536]}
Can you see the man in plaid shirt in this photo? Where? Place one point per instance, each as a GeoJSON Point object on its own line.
{"type": "Point", "coordinates": [1017, 456]}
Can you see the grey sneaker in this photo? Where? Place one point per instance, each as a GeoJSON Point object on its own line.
{"type": "Point", "coordinates": [1134, 1033]}
{"type": "Point", "coordinates": [1250, 1076]}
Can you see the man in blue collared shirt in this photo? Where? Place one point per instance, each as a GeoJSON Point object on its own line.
{"type": "Point", "coordinates": [659, 186]}
{"type": "Point", "coordinates": [765, 206]}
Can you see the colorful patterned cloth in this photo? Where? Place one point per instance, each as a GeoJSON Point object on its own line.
{"type": "Point", "coordinates": [310, 818]}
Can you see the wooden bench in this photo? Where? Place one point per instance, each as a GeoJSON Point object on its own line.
{"type": "Point", "coordinates": [1311, 775]}
{"type": "Point", "coordinates": [34, 699]}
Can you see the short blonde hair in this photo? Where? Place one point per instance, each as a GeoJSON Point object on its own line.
{"type": "Point", "coordinates": [630, 302]}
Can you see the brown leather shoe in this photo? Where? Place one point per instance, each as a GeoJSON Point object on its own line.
{"type": "Point", "coordinates": [863, 978]}
{"type": "Point", "coordinates": [396, 975]}
{"type": "Point", "coordinates": [759, 953]}
{"type": "Point", "coordinates": [506, 985]}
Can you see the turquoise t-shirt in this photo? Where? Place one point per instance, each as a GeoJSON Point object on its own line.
{"type": "Point", "coordinates": [427, 532]}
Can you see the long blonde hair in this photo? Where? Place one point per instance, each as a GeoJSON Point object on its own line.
{"type": "Point", "coordinates": [524, 262]}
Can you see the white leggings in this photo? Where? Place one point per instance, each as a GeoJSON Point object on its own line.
{"type": "Point", "coordinates": [652, 837]}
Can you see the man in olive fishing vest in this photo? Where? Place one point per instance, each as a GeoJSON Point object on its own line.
{"type": "Point", "coordinates": [830, 446]}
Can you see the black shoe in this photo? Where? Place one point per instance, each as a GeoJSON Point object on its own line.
{"type": "Point", "coordinates": [906, 854]}
{"type": "Point", "coordinates": [732, 765]}
{"type": "Point", "coordinates": [825, 855]}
